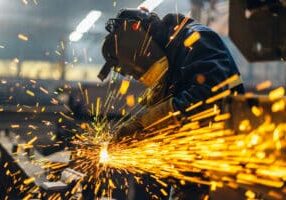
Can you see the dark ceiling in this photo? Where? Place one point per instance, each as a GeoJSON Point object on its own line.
{"type": "Point", "coordinates": [47, 22]}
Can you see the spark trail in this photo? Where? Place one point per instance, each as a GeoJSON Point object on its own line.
{"type": "Point", "coordinates": [249, 156]}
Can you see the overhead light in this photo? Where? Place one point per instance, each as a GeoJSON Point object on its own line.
{"type": "Point", "coordinates": [88, 21]}
{"type": "Point", "coordinates": [150, 4]}
{"type": "Point", "coordinates": [75, 36]}
{"type": "Point", "coordinates": [85, 25]}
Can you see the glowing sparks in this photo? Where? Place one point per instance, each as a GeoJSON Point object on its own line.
{"type": "Point", "coordinates": [245, 125]}
{"type": "Point", "coordinates": [15, 126]}
{"type": "Point", "coordinates": [218, 97]}
{"type": "Point", "coordinates": [173, 151]}
{"type": "Point", "coordinates": [130, 100]}
{"type": "Point", "coordinates": [29, 181]}
{"type": "Point", "coordinates": [222, 117]}
{"type": "Point", "coordinates": [178, 29]}
{"type": "Point", "coordinates": [278, 106]}
{"type": "Point", "coordinates": [231, 82]}
{"type": "Point", "coordinates": [32, 140]}
{"type": "Point", "coordinates": [257, 111]}
{"type": "Point", "coordinates": [219, 151]}
{"type": "Point", "coordinates": [30, 93]}
{"type": "Point", "coordinates": [264, 85]}
{"type": "Point", "coordinates": [28, 197]}
{"type": "Point", "coordinates": [23, 37]}
{"type": "Point", "coordinates": [44, 90]}
{"type": "Point", "coordinates": [124, 87]}
{"type": "Point", "coordinates": [97, 106]}
{"type": "Point", "coordinates": [250, 155]}
{"type": "Point", "coordinates": [250, 194]}
{"type": "Point", "coordinates": [243, 178]}
{"type": "Point", "coordinates": [277, 93]}
{"type": "Point", "coordinates": [103, 155]}
{"type": "Point", "coordinates": [194, 106]}
{"type": "Point", "coordinates": [66, 116]}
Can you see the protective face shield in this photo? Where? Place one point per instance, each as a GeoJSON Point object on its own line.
{"type": "Point", "coordinates": [131, 48]}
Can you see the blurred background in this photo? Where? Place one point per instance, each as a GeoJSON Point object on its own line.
{"type": "Point", "coordinates": [39, 38]}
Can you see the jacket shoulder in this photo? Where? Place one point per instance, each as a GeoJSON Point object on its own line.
{"type": "Point", "coordinates": [197, 27]}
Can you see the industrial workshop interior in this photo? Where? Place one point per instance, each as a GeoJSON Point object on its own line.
{"type": "Point", "coordinates": [142, 99]}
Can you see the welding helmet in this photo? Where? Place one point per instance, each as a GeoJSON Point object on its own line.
{"type": "Point", "coordinates": [130, 45]}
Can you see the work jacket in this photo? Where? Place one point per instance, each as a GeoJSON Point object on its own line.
{"type": "Point", "coordinates": [193, 71]}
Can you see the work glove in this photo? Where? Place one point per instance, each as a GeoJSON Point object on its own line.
{"type": "Point", "coordinates": [155, 117]}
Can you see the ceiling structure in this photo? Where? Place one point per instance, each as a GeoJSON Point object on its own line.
{"type": "Point", "coordinates": [48, 24]}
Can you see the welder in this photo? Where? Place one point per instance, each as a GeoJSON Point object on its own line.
{"type": "Point", "coordinates": [178, 58]}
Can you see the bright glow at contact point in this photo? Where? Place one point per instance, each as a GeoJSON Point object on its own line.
{"type": "Point", "coordinates": [103, 156]}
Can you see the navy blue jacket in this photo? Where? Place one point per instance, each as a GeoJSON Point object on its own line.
{"type": "Point", "coordinates": [191, 75]}
{"type": "Point", "coordinates": [193, 71]}
{"type": "Point", "coordinates": [208, 58]}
